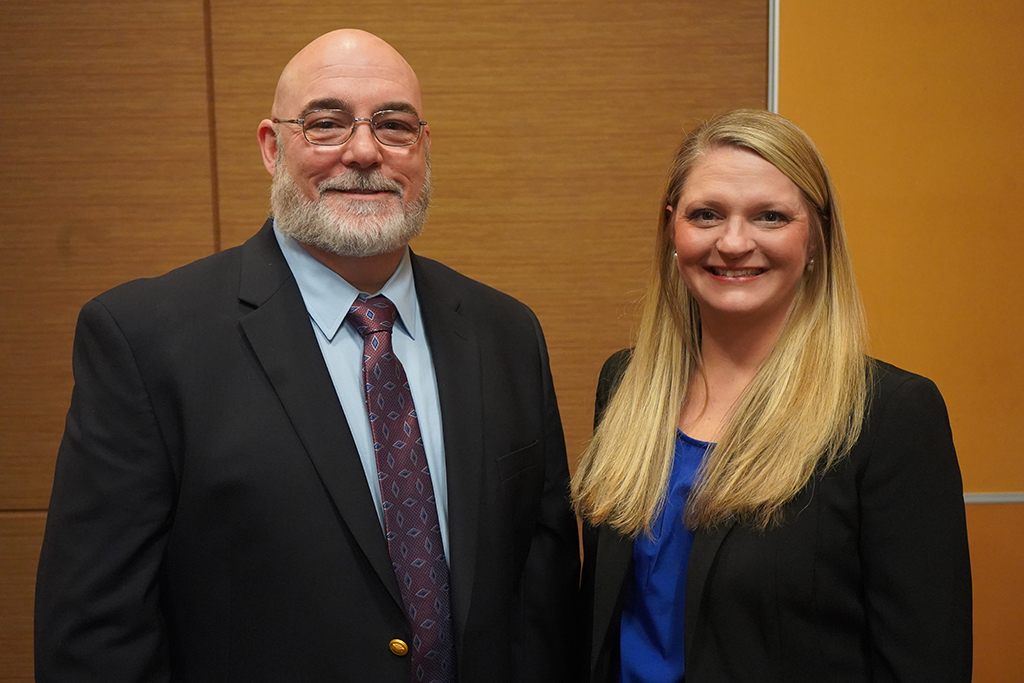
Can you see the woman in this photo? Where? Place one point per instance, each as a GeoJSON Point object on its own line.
{"type": "Point", "coordinates": [761, 500]}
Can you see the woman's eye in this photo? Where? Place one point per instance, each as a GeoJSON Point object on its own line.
{"type": "Point", "coordinates": [774, 217]}
{"type": "Point", "coordinates": [702, 216]}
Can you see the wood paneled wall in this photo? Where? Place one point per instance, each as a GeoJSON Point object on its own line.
{"type": "Point", "coordinates": [104, 177]}
{"type": "Point", "coordinates": [129, 148]}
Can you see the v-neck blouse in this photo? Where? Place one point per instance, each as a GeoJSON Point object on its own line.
{"type": "Point", "coordinates": [651, 640]}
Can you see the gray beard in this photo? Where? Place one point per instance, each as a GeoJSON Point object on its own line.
{"type": "Point", "coordinates": [348, 227]}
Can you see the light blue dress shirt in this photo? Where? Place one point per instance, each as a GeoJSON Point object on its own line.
{"type": "Point", "coordinates": [328, 297]}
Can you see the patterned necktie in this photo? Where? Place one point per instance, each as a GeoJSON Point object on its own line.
{"type": "Point", "coordinates": [410, 511]}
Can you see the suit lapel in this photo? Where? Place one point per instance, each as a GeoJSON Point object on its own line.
{"type": "Point", "coordinates": [702, 558]}
{"type": "Point", "coordinates": [279, 331]}
{"type": "Point", "coordinates": [614, 557]}
{"type": "Point", "coordinates": [456, 356]}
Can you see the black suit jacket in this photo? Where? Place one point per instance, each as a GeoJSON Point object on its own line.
{"type": "Point", "coordinates": [866, 579]}
{"type": "Point", "coordinates": [210, 520]}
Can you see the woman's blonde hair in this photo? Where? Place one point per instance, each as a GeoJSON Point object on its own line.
{"type": "Point", "coordinates": [804, 407]}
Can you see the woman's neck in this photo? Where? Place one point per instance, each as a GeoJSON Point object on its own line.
{"type": "Point", "coordinates": [732, 352]}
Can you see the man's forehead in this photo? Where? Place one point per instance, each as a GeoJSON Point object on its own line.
{"type": "Point", "coordinates": [348, 105]}
{"type": "Point", "coordinates": [351, 77]}
{"type": "Point", "coordinates": [356, 95]}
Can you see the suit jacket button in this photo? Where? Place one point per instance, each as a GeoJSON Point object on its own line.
{"type": "Point", "coordinates": [398, 647]}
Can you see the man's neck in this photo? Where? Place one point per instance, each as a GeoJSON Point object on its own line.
{"type": "Point", "coordinates": [365, 273]}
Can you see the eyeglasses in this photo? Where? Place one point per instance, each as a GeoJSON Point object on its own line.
{"type": "Point", "coordinates": [336, 127]}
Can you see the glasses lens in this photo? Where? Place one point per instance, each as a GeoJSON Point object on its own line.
{"type": "Point", "coordinates": [396, 128]}
{"type": "Point", "coordinates": [327, 126]}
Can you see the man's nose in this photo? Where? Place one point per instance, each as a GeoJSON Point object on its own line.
{"type": "Point", "coordinates": [362, 149]}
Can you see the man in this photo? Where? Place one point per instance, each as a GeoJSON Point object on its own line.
{"type": "Point", "coordinates": [225, 505]}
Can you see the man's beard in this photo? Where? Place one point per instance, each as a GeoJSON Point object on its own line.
{"type": "Point", "coordinates": [346, 226]}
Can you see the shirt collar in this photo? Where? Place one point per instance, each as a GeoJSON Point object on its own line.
{"type": "Point", "coordinates": [328, 296]}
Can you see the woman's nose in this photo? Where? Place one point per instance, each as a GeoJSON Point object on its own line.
{"type": "Point", "coordinates": [736, 238]}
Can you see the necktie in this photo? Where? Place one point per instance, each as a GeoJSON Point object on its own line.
{"type": "Point", "coordinates": [410, 511]}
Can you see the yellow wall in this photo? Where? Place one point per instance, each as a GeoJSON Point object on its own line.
{"type": "Point", "coordinates": [917, 107]}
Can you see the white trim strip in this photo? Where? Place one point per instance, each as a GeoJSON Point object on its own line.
{"type": "Point", "coordinates": [1003, 497]}
{"type": "Point", "coordinates": [773, 55]}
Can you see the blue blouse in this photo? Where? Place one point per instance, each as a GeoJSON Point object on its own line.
{"type": "Point", "coordinates": [651, 639]}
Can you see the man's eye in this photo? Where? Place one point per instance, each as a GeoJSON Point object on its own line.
{"type": "Point", "coordinates": [395, 125]}
{"type": "Point", "coordinates": [325, 124]}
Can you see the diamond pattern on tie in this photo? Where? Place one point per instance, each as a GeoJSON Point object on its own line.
{"type": "Point", "coordinates": [414, 539]}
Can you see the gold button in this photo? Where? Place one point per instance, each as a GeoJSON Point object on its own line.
{"type": "Point", "coordinates": [399, 647]}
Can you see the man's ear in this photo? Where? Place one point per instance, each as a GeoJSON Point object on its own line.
{"type": "Point", "coordinates": [268, 144]}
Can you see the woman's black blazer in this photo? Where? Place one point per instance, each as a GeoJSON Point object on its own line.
{"type": "Point", "coordinates": [866, 579]}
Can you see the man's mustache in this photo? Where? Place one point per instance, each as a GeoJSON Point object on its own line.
{"type": "Point", "coordinates": [372, 181]}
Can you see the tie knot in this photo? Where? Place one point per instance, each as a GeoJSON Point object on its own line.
{"type": "Point", "coordinates": [373, 315]}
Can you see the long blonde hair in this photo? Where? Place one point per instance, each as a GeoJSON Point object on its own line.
{"type": "Point", "coordinates": [802, 410]}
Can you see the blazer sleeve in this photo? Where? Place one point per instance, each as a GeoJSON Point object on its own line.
{"type": "Point", "coordinates": [611, 374]}
{"type": "Point", "coordinates": [601, 581]}
{"type": "Point", "coordinates": [917, 576]}
{"type": "Point", "coordinates": [552, 573]}
{"type": "Point", "coordinates": [97, 614]}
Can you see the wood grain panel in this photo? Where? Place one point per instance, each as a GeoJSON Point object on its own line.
{"type": "Point", "coordinates": [997, 565]}
{"type": "Point", "coordinates": [553, 125]}
{"type": "Point", "coordinates": [104, 177]}
{"type": "Point", "coordinates": [20, 537]}
{"type": "Point", "coordinates": [552, 128]}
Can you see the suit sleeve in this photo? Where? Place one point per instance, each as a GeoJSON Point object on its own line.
{"type": "Point", "coordinates": [97, 612]}
{"type": "Point", "coordinates": [551, 576]}
{"type": "Point", "coordinates": [917, 575]}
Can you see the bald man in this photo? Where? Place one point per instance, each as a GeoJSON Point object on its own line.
{"type": "Point", "coordinates": [229, 503]}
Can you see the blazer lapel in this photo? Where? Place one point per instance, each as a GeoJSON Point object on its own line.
{"type": "Point", "coordinates": [283, 341]}
{"type": "Point", "coordinates": [702, 557]}
{"type": "Point", "coordinates": [456, 355]}
{"type": "Point", "coordinates": [614, 557]}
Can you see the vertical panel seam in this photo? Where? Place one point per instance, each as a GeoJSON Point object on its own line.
{"type": "Point", "coordinates": [773, 55]}
{"type": "Point", "coordinates": [211, 112]}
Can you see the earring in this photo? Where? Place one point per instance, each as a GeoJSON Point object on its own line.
{"type": "Point", "coordinates": [810, 264]}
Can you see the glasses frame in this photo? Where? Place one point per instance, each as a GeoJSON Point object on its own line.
{"type": "Point", "coordinates": [352, 131]}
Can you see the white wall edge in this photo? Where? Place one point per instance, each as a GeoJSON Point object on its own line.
{"type": "Point", "coordinates": [1003, 497]}
{"type": "Point", "coordinates": [773, 56]}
